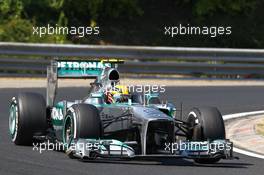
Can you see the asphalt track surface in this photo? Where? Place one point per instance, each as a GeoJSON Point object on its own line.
{"type": "Point", "coordinates": [23, 160]}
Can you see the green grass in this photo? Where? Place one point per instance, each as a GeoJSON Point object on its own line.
{"type": "Point", "coordinates": [260, 128]}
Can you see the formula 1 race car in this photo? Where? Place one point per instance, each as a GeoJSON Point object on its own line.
{"type": "Point", "coordinates": [113, 122]}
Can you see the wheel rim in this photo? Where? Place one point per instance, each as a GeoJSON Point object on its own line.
{"type": "Point", "coordinates": [68, 131]}
{"type": "Point", "coordinates": [13, 120]}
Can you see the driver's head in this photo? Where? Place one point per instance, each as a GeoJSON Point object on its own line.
{"type": "Point", "coordinates": [120, 89]}
{"type": "Point", "coordinates": [118, 93]}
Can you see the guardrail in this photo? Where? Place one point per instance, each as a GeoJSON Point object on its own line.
{"type": "Point", "coordinates": [144, 60]}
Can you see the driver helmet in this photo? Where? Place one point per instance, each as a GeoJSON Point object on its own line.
{"type": "Point", "coordinates": [118, 93]}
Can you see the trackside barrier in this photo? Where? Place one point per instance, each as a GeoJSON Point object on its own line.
{"type": "Point", "coordinates": [139, 59]}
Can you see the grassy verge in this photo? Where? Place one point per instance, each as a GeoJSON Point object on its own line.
{"type": "Point", "coordinates": [260, 128]}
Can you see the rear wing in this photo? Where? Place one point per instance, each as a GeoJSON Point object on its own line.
{"type": "Point", "coordinates": [80, 69]}
{"type": "Point", "coordinates": [74, 69]}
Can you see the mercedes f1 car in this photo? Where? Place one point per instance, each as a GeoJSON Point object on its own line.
{"type": "Point", "coordinates": [112, 122]}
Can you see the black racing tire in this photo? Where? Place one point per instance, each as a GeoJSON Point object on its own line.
{"type": "Point", "coordinates": [27, 118]}
{"type": "Point", "coordinates": [207, 124]}
{"type": "Point", "coordinates": [81, 121]}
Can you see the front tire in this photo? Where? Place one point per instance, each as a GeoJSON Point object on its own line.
{"type": "Point", "coordinates": [81, 121]}
{"type": "Point", "coordinates": [27, 117]}
{"type": "Point", "coordinates": [206, 124]}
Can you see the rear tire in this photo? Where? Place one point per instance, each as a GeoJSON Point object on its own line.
{"type": "Point", "coordinates": [81, 121]}
{"type": "Point", "coordinates": [27, 117]}
{"type": "Point", "coordinates": [207, 124]}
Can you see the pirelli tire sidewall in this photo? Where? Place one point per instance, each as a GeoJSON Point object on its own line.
{"type": "Point", "coordinates": [28, 114]}
{"type": "Point", "coordinates": [207, 124]}
{"type": "Point", "coordinates": [85, 122]}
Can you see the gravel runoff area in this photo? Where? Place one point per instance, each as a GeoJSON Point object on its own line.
{"type": "Point", "coordinates": [42, 82]}
{"type": "Point", "coordinates": [242, 132]}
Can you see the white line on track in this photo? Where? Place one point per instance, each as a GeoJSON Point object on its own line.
{"type": "Point", "coordinates": [243, 114]}
{"type": "Point", "coordinates": [248, 153]}
{"type": "Point", "coordinates": [239, 115]}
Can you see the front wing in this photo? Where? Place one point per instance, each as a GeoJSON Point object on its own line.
{"type": "Point", "coordinates": [92, 149]}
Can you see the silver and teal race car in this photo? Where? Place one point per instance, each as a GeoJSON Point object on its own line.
{"type": "Point", "coordinates": [131, 125]}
